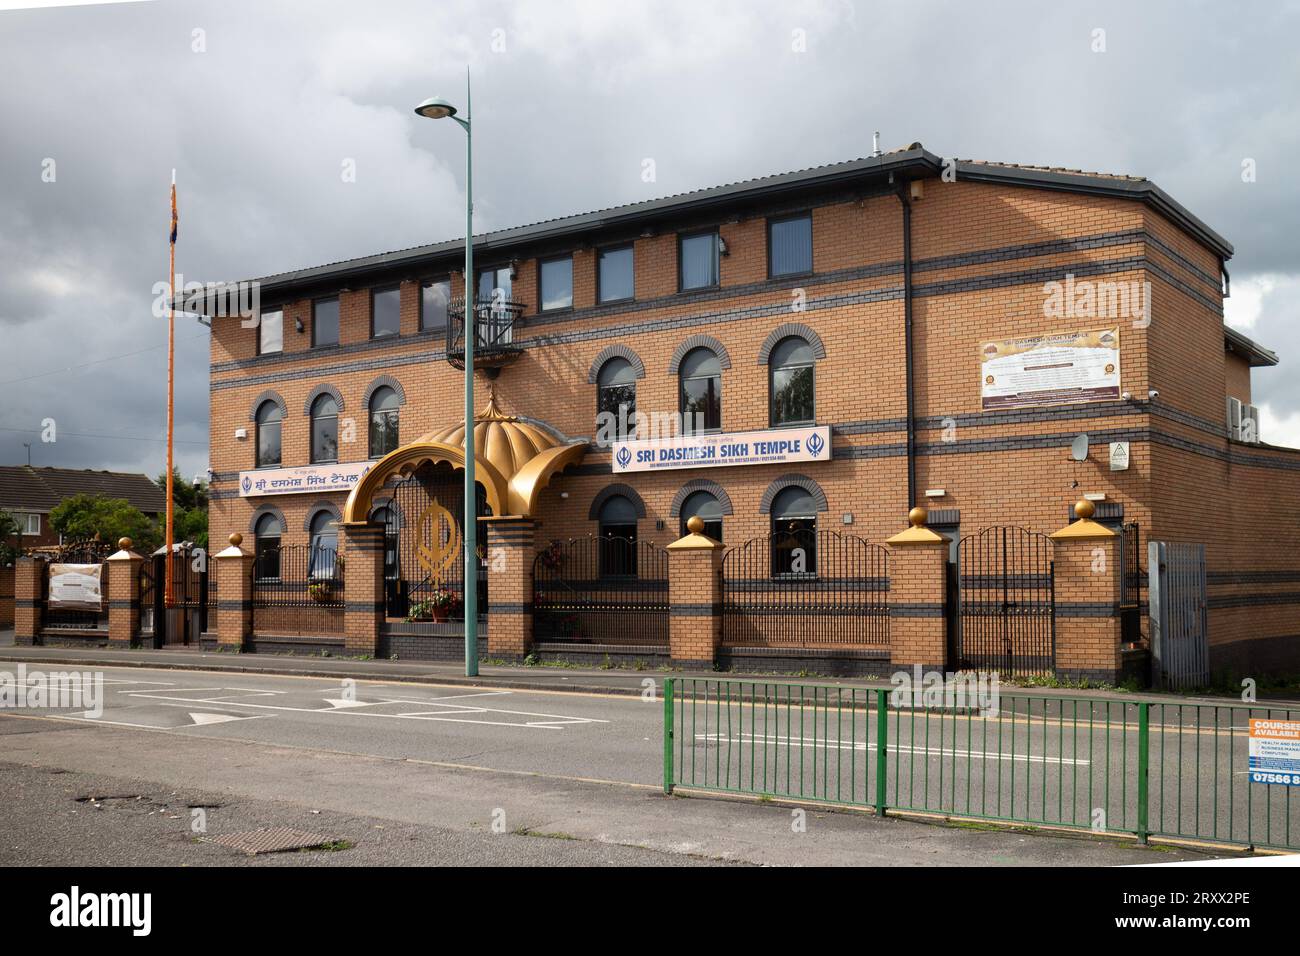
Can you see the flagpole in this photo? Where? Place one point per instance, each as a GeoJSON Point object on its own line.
{"type": "Point", "coordinates": [169, 596]}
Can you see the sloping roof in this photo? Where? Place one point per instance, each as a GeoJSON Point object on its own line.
{"type": "Point", "coordinates": [23, 488]}
{"type": "Point", "coordinates": [913, 161]}
{"type": "Point", "coordinates": [1248, 348]}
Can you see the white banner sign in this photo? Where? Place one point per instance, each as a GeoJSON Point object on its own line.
{"type": "Point", "coordinates": [1050, 370]}
{"type": "Point", "coordinates": [769, 447]}
{"type": "Point", "coordinates": [75, 586]}
{"type": "Point", "coordinates": [288, 481]}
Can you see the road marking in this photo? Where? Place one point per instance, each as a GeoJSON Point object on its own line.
{"type": "Point", "coordinates": [201, 719]}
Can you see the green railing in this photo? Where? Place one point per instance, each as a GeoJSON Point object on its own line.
{"type": "Point", "coordinates": [1139, 767]}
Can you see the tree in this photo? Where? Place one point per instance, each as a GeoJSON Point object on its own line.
{"type": "Point", "coordinates": [82, 517]}
{"type": "Point", "coordinates": [8, 539]}
{"type": "Point", "coordinates": [190, 514]}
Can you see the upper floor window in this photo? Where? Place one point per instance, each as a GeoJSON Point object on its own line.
{"type": "Point", "coordinates": [29, 523]}
{"type": "Point", "coordinates": [266, 546]}
{"type": "Point", "coordinates": [706, 505]}
{"type": "Point", "coordinates": [614, 276]}
{"type": "Point", "coordinates": [325, 322]}
{"type": "Point", "coordinates": [557, 283]}
{"type": "Point", "coordinates": [701, 391]}
{"type": "Point", "coordinates": [791, 382]}
{"type": "Point", "coordinates": [616, 397]}
{"type": "Point", "coordinates": [794, 532]}
{"type": "Point", "coordinates": [789, 245]}
{"type": "Point", "coordinates": [698, 261]}
{"type": "Point", "coordinates": [617, 543]}
{"type": "Point", "coordinates": [434, 296]}
{"type": "Point", "coordinates": [385, 312]}
{"type": "Point", "coordinates": [270, 332]}
{"type": "Point", "coordinates": [268, 434]}
{"type": "Point", "coordinates": [383, 422]}
{"type": "Point", "coordinates": [324, 429]}
{"type": "Point", "coordinates": [494, 285]}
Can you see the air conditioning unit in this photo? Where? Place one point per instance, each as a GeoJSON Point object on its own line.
{"type": "Point", "coordinates": [1243, 421]}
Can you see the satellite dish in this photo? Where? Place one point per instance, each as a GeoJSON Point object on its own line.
{"type": "Point", "coordinates": [1079, 448]}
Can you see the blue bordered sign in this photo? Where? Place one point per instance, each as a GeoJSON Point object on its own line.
{"type": "Point", "coordinates": [342, 476]}
{"type": "Point", "coordinates": [767, 447]}
{"type": "Point", "coordinates": [1275, 752]}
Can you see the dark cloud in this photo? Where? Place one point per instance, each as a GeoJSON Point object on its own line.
{"type": "Point", "coordinates": [569, 100]}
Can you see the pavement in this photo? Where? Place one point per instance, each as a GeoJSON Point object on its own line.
{"type": "Point", "coordinates": [407, 772]}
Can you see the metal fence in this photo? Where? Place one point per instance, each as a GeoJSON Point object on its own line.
{"type": "Point", "coordinates": [606, 590]}
{"type": "Point", "coordinates": [1147, 768]}
{"type": "Point", "coordinates": [63, 618]}
{"type": "Point", "coordinates": [838, 596]}
{"type": "Point", "coordinates": [298, 590]}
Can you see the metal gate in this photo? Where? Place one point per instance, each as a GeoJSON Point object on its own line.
{"type": "Point", "coordinates": [1133, 580]}
{"type": "Point", "coordinates": [1180, 653]}
{"type": "Point", "coordinates": [840, 597]}
{"type": "Point", "coordinates": [1006, 598]}
{"type": "Point", "coordinates": [423, 543]}
{"type": "Point", "coordinates": [606, 590]}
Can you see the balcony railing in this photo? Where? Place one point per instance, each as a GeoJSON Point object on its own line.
{"type": "Point", "coordinates": [494, 333]}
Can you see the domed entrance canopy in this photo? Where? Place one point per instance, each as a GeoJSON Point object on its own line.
{"type": "Point", "coordinates": [513, 461]}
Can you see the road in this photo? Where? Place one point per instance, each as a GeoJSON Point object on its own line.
{"type": "Point", "coordinates": [455, 761]}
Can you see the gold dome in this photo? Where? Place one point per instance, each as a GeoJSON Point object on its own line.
{"type": "Point", "coordinates": [514, 461]}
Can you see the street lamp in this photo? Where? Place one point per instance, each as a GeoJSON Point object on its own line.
{"type": "Point", "coordinates": [438, 108]}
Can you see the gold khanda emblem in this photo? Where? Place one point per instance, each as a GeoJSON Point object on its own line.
{"type": "Point", "coordinates": [439, 541]}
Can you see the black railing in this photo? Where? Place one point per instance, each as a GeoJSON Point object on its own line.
{"type": "Point", "coordinates": [841, 597]}
{"type": "Point", "coordinates": [601, 590]}
{"type": "Point", "coordinates": [298, 590]}
{"type": "Point", "coordinates": [1007, 602]}
{"type": "Point", "coordinates": [494, 332]}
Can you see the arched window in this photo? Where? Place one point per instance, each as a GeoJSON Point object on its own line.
{"type": "Point", "coordinates": [266, 546]}
{"type": "Point", "coordinates": [324, 429]}
{"type": "Point", "coordinates": [617, 537]}
{"type": "Point", "coordinates": [616, 397]}
{"type": "Point", "coordinates": [701, 391]}
{"type": "Point", "coordinates": [383, 421]}
{"type": "Point", "coordinates": [794, 532]}
{"type": "Point", "coordinates": [324, 531]}
{"type": "Point", "coordinates": [704, 504]}
{"type": "Point", "coordinates": [268, 433]}
{"type": "Point", "coordinates": [790, 371]}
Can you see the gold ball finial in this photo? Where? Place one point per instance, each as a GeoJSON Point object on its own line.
{"type": "Point", "coordinates": [695, 524]}
{"type": "Point", "coordinates": [236, 539]}
{"type": "Point", "coordinates": [918, 516]}
{"type": "Point", "coordinates": [1084, 509]}
{"type": "Point", "coordinates": [124, 543]}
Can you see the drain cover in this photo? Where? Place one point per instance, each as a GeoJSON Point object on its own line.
{"type": "Point", "coordinates": [269, 840]}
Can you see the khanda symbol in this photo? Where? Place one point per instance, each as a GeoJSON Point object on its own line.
{"type": "Point", "coordinates": [815, 444]}
{"type": "Point", "coordinates": [439, 538]}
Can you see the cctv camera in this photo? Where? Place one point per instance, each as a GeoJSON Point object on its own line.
{"type": "Point", "coordinates": [1153, 394]}
{"type": "Point", "coordinates": [1127, 396]}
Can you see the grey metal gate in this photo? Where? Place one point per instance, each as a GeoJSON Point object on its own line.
{"type": "Point", "coordinates": [1180, 652]}
{"type": "Point", "coordinates": [1006, 601]}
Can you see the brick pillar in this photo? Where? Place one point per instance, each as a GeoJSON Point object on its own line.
{"type": "Point", "coordinates": [917, 587]}
{"type": "Point", "coordinates": [510, 586]}
{"type": "Point", "coordinates": [694, 597]}
{"type": "Point", "coordinates": [29, 575]}
{"type": "Point", "coordinates": [1086, 559]}
{"type": "Point", "coordinates": [124, 595]}
{"type": "Point", "coordinates": [363, 587]}
{"type": "Point", "coordinates": [234, 595]}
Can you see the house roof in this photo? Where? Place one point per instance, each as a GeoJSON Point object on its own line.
{"type": "Point", "coordinates": [23, 488]}
{"type": "Point", "coordinates": [910, 162]}
{"type": "Point", "coordinates": [1248, 348]}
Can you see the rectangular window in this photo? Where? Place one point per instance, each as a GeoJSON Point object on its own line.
{"type": "Point", "coordinates": [268, 444]}
{"type": "Point", "coordinates": [557, 283]}
{"type": "Point", "coordinates": [792, 395]}
{"type": "Point", "coordinates": [385, 312]}
{"type": "Point", "coordinates": [614, 276]}
{"type": "Point", "coordinates": [270, 334]}
{"type": "Point", "coordinates": [28, 524]}
{"type": "Point", "coordinates": [434, 296]}
{"type": "Point", "coordinates": [325, 439]}
{"type": "Point", "coordinates": [494, 285]}
{"type": "Point", "coordinates": [698, 261]}
{"type": "Point", "coordinates": [325, 322]}
{"type": "Point", "coordinates": [789, 246]}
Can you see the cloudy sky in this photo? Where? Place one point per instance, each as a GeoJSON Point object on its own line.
{"type": "Point", "coordinates": [259, 103]}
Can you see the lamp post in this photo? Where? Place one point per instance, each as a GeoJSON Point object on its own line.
{"type": "Point", "coordinates": [438, 108]}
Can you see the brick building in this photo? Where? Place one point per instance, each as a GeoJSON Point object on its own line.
{"type": "Point", "coordinates": [30, 494]}
{"type": "Point", "coordinates": [862, 337]}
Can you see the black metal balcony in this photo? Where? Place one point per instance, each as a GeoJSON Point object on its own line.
{"type": "Point", "coordinates": [494, 333]}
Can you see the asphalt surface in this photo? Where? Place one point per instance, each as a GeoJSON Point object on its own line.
{"type": "Point", "coordinates": [481, 763]}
